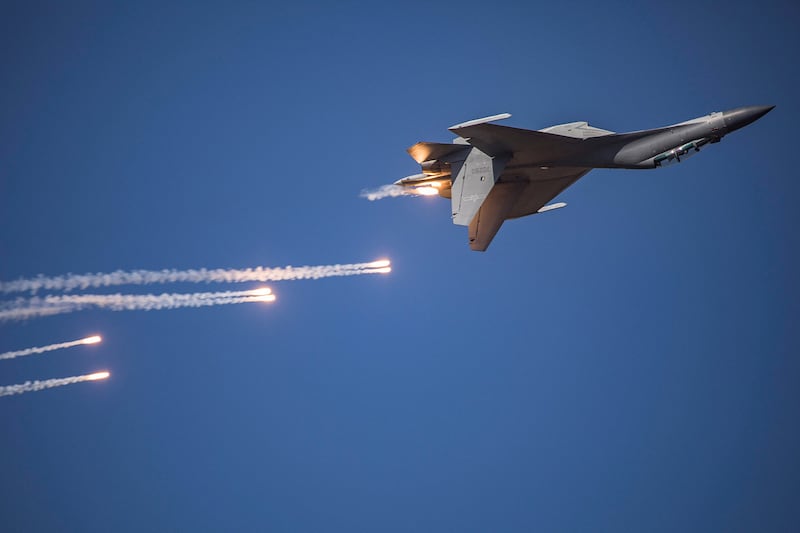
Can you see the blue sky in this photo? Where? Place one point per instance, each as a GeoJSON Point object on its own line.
{"type": "Point", "coordinates": [627, 363]}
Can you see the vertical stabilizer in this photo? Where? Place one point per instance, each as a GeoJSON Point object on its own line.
{"type": "Point", "coordinates": [473, 179]}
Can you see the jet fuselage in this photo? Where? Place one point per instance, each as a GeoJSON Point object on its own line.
{"type": "Point", "coordinates": [493, 173]}
{"type": "Point", "coordinates": [643, 149]}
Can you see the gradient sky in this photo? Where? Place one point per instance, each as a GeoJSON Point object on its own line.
{"type": "Point", "coordinates": [629, 363]}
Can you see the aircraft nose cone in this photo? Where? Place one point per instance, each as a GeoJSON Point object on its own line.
{"type": "Point", "coordinates": [742, 116]}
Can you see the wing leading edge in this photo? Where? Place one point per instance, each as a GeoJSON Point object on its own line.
{"type": "Point", "coordinates": [494, 139]}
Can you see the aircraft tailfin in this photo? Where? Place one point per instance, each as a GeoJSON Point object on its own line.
{"type": "Point", "coordinates": [473, 179]}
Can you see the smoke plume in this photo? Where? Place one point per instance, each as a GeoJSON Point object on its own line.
{"type": "Point", "coordinates": [71, 282]}
{"type": "Point", "coordinates": [22, 308]}
{"type": "Point", "coordinates": [33, 386]}
{"type": "Point", "coordinates": [49, 348]}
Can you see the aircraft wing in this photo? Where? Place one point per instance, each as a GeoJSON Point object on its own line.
{"type": "Point", "coordinates": [516, 199]}
{"type": "Point", "coordinates": [494, 140]}
{"type": "Point", "coordinates": [541, 190]}
{"type": "Point", "coordinates": [493, 212]}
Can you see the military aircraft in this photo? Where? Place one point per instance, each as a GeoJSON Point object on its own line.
{"type": "Point", "coordinates": [493, 173]}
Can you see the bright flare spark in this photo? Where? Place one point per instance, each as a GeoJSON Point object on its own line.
{"type": "Point", "coordinates": [71, 282]}
{"type": "Point", "coordinates": [379, 264]}
{"type": "Point", "coordinates": [48, 305]}
{"type": "Point", "coordinates": [261, 292]}
{"type": "Point", "coordinates": [382, 270]}
{"type": "Point", "coordinates": [264, 298]}
{"type": "Point", "coordinates": [49, 347]}
{"type": "Point", "coordinates": [33, 386]}
{"type": "Point", "coordinates": [392, 191]}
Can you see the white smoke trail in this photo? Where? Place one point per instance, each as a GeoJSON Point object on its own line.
{"type": "Point", "coordinates": [22, 309]}
{"type": "Point", "coordinates": [220, 275]}
{"type": "Point", "coordinates": [33, 386]}
{"type": "Point", "coordinates": [49, 348]}
{"type": "Point", "coordinates": [385, 191]}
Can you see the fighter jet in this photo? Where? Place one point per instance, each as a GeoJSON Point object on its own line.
{"type": "Point", "coordinates": [493, 173]}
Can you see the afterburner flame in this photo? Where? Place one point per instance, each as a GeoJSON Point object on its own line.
{"type": "Point", "coordinates": [98, 375]}
{"type": "Point", "coordinates": [94, 339]}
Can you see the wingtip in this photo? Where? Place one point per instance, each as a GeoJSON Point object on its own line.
{"type": "Point", "coordinates": [483, 120]}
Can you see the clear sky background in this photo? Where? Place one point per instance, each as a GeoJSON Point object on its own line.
{"type": "Point", "coordinates": [629, 363]}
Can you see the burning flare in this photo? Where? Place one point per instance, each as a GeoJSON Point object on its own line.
{"type": "Point", "coordinates": [49, 348]}
{"type": "Point", "coordinates": [22, 309]}
{"type": "Point", "coordinates": [33, 386]}
{"type": "Point", "coordinates": [70, 282]}
{"type": "Point", "coordinates": [382, 270]}
{"type": "Point", "coordinates": [261, 292]}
